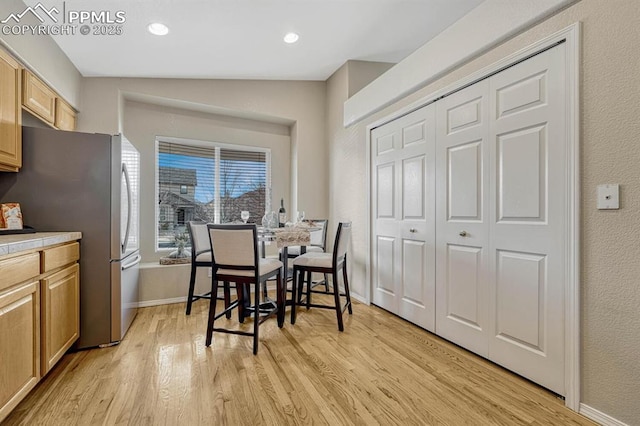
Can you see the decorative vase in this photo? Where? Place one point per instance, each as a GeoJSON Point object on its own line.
{"type": "Point", "coordinates": [270, 220]}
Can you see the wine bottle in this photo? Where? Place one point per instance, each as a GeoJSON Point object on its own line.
{"type": "Point", "coordinates": [282, 214]}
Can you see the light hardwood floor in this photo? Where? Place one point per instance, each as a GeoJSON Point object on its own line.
{"type": "Point", "coordinates": [381, 370]}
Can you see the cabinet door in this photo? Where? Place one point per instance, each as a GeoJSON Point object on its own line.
{"type": "Point", "coordinates": [60, 314]}
{"type": "Point", "coordinates": [38, 98]}
{"type": "Point", "coordinates": [10, 114]}
{"type": "Point", "coordinates": [65, 116]}
{"type": "Point", "coordinates": [20, 344]}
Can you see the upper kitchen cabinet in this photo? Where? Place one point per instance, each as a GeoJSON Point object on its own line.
{"type": "Point", "coordinates": [40, 100]}
{"type": "Point", "coordinates": [10, 114]}
{"type": "Point", "coordinates": [65, 115]}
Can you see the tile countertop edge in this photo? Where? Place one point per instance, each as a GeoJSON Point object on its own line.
{"type": "Point", "coordinates": [10, 244]}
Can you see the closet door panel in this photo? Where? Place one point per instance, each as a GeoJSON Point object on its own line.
{"type": "Point", "coordinates": [462, 252]}
{"type": "Point", "coordinates": [385, 144]}
{"type": "Point", "coordinates": [403, 218]}
{"type": "Point", "coordinates": [528, 181]}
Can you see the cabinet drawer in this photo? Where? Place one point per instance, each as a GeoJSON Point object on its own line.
{"type": "Point", "coordinates": [18, 269]}
{"type": "Point", "coordinates": [59, 256]}
{"type": "Point", "coordinates": [38, 98]}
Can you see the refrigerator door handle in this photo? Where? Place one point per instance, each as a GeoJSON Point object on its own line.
{"type": "Point", "coordinates": [125, 172]}
{"type": "Point", "coordinates": [133, 263]}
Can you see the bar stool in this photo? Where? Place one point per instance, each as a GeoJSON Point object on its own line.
{"type": "Point", "coordinates": [200, 258]}
{"type": "Point", "coordinates": [325, 263]}
{"type": "Point", "coordinates": [318, 245]}
{"type": "Point", "coordinates": [235, 258]}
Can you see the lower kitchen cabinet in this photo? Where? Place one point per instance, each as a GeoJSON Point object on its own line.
{"type": "Point", "coordinates": [20, 347]}
{"type": "Point", "coordinates": [60, 314]}
{"type": "Point", "coordinates": [39, 316]}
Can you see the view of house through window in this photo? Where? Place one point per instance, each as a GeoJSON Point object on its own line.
{"type": "Point", "coordinates": [208, 182]}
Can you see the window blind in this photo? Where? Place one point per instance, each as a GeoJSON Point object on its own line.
{"type": "Point", "coordinates": [208, 183]}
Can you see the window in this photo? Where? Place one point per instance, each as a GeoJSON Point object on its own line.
{"type": "Point", "coordinates": [208, 182]}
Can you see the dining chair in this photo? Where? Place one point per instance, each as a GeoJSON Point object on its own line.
{"type": "Point", "coordinates": [318, 245]}
{"type": "Point", "coordinates": [201, 258]}
{"type": "Point", "coordinates": [318, 238]}
{"type": "Point", "coordinates": [235, 258]}
{"type": "Point", "coordinates": [326, 263]}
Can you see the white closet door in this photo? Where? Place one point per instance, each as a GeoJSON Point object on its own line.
{"type": "Point", "coordinates": [462, 218]}
{"type": "Point", "coordinates": [403, 217]}
{"type": "Point", "coordinates": [528, 199]}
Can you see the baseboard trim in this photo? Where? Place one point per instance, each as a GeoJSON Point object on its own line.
{"type": "Point", "coordinates": [359, 298]}
{"type": "Point", "coordinates": [599, 416]}
{"type": "Point", "coordinates": [148, 303]}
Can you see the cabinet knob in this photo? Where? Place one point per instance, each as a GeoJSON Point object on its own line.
{"type": "Point", "coordinates": [463, 233]}
{"type": "Point", "coordinates": [413, 230]}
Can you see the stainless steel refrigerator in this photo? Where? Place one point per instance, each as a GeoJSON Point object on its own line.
{"type": "Point", "coordinates": [73, 181]}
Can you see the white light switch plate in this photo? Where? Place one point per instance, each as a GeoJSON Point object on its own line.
{"type": "Point", "coordinates": [608, 196]}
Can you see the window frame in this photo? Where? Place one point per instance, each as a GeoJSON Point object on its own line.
{"type": "Point", "coordinates": [206, 144]}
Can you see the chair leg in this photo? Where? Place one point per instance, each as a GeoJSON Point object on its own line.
{"type": "Point", "coordinates": [264, 290]}
{"type": "Point", "coordinates": [346, 287]}
{"type": "Point", "coordinates": [227, 298]}
{"type": "Point", "coordinates": [294, 296]}
{"type": "Point", "coordinates": [336, 297]}
{"type": "Point", "coordinates": [300, 285]}
{"type": "Point", "coordinates": [256, 318]}
{"type": "Point", "coordinates": [212, 312]}
{"type": "Point", "coordinates": [280, 299]}
{"type": "Point", "coordinates": [240, 295]}
{"type": "Point", "coordinates": [192, 284]}
{"type": "Point", "coordinates": [326, 283]}
{"type": "Point", "coordinates": [308, 290]}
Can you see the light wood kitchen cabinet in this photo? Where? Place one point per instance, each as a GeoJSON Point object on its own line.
{"type": "Point", "coordinates": [56, 257]}
{"type": "Point", "coordinates": [39, 316]}
{"type": "Point", "coordinates": [44, 103]}
{"type": "Point", "coordinates": [60, 304]}
{"type": "Point", "coordinates": [38, 98]}
{"type": "Point", "coordinates": [20, 348]}
{"type": "Point", "coordinates": [10, 114]}
{"type": "Point", "coordinates": [65, 115]}
{"type": "Point", "coordinates": [18, 269]}
{"type": "Point", "coordinates": [60, 314]}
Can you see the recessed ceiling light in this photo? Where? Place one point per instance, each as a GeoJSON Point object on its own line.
{"type": "Point", "coordinates": [157, 28]}
{"type": "Point", "coordinates": [291, 38]}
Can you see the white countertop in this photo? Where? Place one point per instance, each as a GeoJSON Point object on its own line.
{"type": "Point", "coordinates": [20, 242]}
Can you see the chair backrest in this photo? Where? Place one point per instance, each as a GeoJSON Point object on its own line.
{"type": "Point", "coordinates": [234, 246]}
{"type": "Point", "coordinates": [199, 238]}
{"type": "Point", "coordinates": [319, 237]}
{"type": "Point", "coordinates": [341, 245]}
